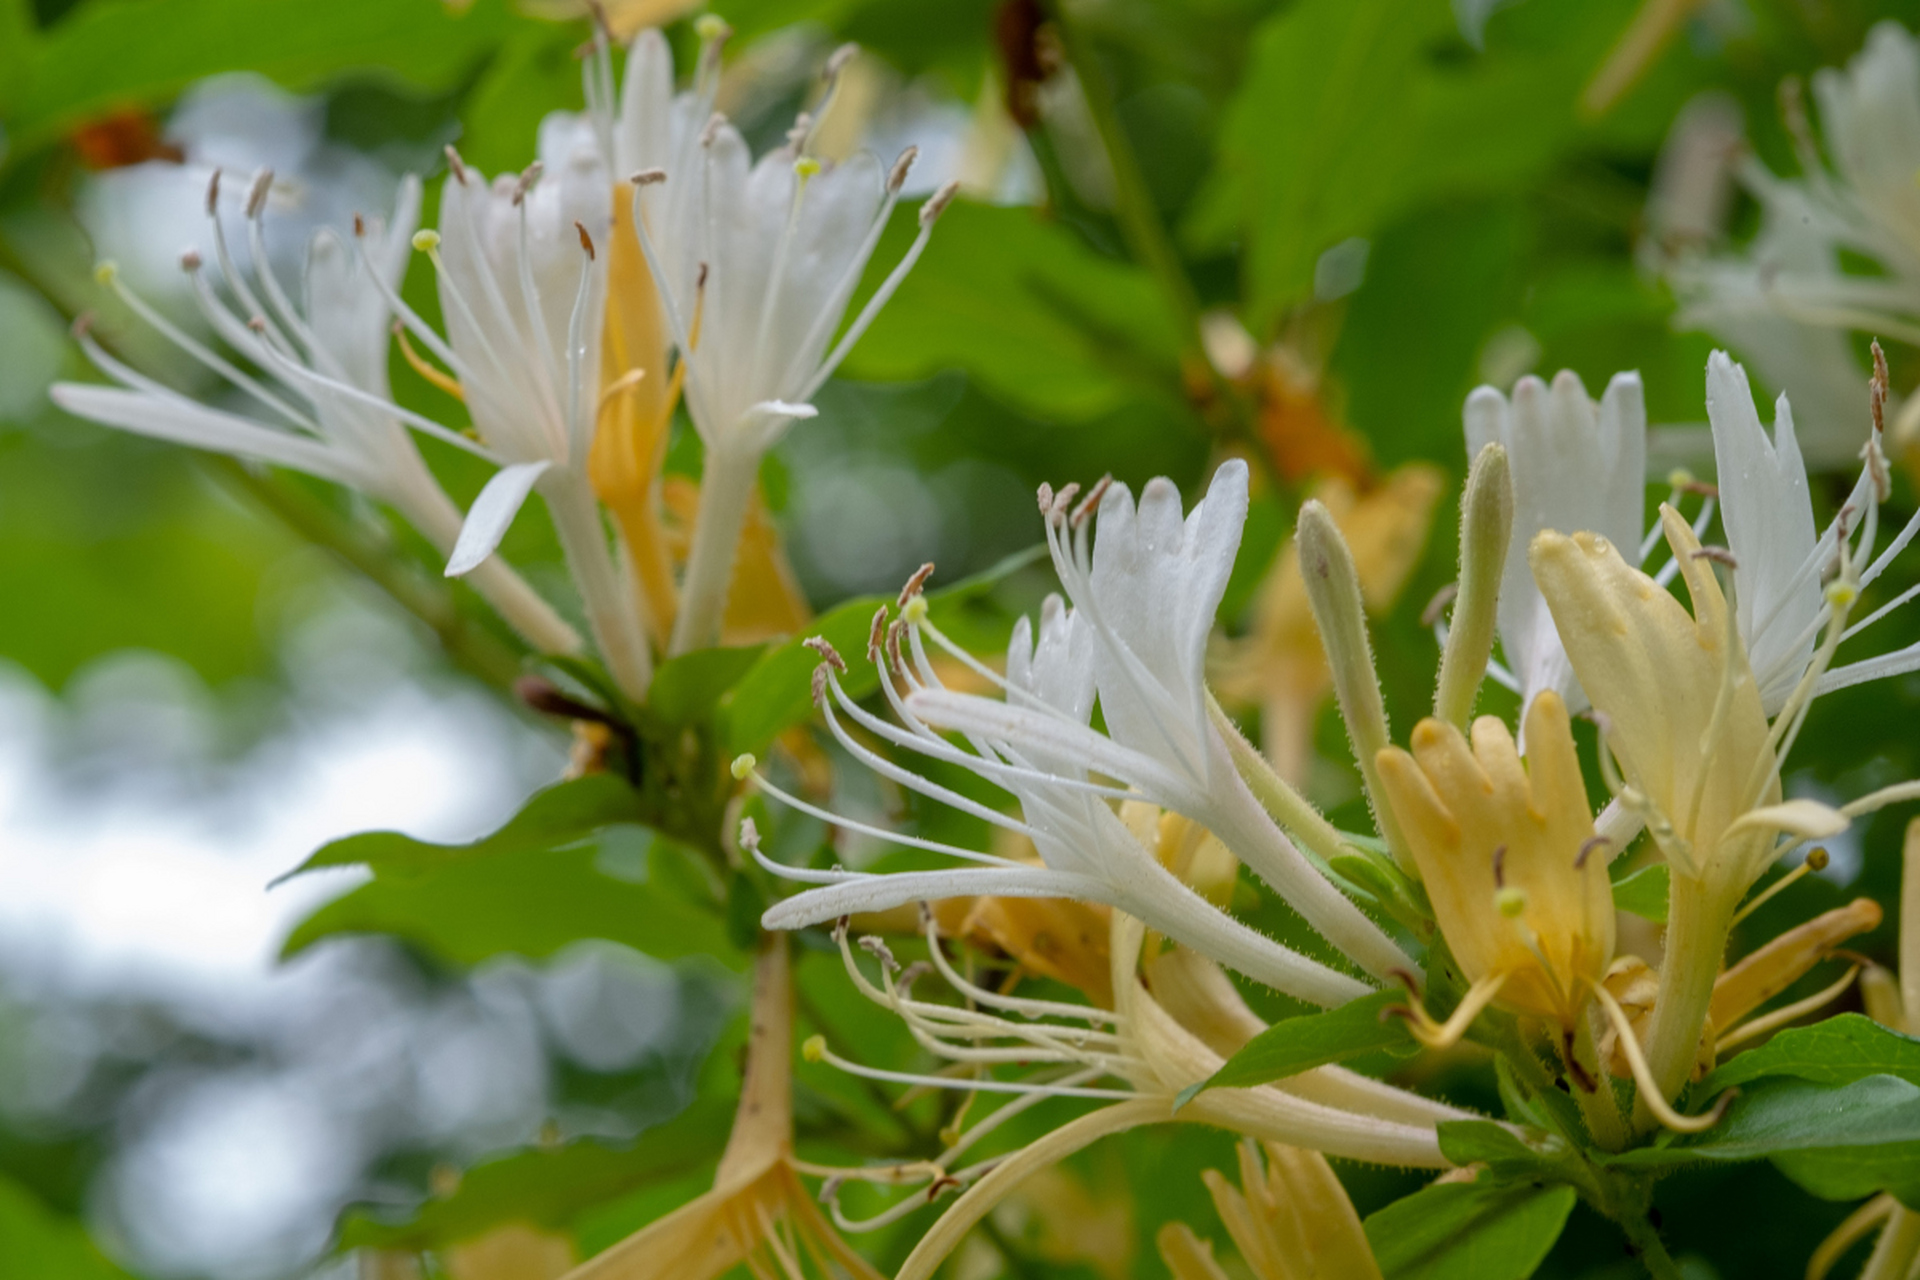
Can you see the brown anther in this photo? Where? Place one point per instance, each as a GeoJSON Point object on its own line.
{"type": "Point", "coordinates": [1817, 858]}
{"type": "Point", "coordinates": [586, 241]}
{"type": "Point", "coordinates": [257, 323]}
{"type": "Point", "coordinates": [1587, 846]}
{"type": "Point", "coordinates": [190, 260]}
{"type": "Point", "coordinates": [700, 278]}
{"type": "Point", "coordinates": [456, 166]}
{"type": "Point", "coordinates": [828, 654]}
{"type": "Point", "coordinates": [879, 950]}
{"type": "Point", "coordinates": [915, 583]}
{"type": "Point", "coordinates": [1699, 488]}
{"type": "Point", "coordinates": [895, 663]}
{"type": "Point", "coordinates": [819, 688]}
{"type": "Point", "coordinates": [1876, 459]}
{"type": "Point", "coordinates": [712, 129]}
{"type": "Point", "coordinates": [937, 203]}
{"type": "Point", "coordinates": [1500, 867]}
{"type": "Point", "coordinates": [1063, 500]}
{"type": "Point", "coordinates": [1719, 555]}
{"type": "Point", "coordinates": [1437, 607]}
{"type": "Point", "coordinates": [257, 195]}
{"type": "Point", "coordinates": [213, 194]}
{"type": "Point", "coordinates": [1877, 388]}
{"type": "Point", "coordinates": [1091, 503]}
{"type": "Point", "coordinates": [647, 177]}
{"type": "Point", "coordinates": [528, 176]}
{"type": "Point", "coordinates": [897, 176]}
{"type": "Point", "coordinates": [359, 227]}
{"type": "Point", "coordinates": [877, 635]}
{"type": "Point", "coordinates": [839, 59]}
{"type": "Point", "coordinates": [82, 323]}
{"type": "Point", "coordinates": [841, 925]}
{"type": "Point", "coordinates": [1046, 498]}
{"type": "Point", "coordinates": [1407, 979]}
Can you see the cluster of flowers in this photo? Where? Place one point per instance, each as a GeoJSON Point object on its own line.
{"type": "Point", "coordinates": [645, 256]}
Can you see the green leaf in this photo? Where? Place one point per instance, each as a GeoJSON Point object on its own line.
{"type": "Point", "coordinates": [1022, 305]}
{"type": "Point", "coordinates": [562, 815]}
{"type": "Point", "coordinates": [1834, 1051]}
{"type": "Point", "coordinates": [1293, 1045]}
{"type": "Point", "coordinates": [1644, 893]}
{"type": "Point", "coordinates": [1486, 1142]}
{"type": "Point", "coordinates": [687, 688]}
{"type": "Point", "coordinates": [1839, 1143]}
{"type": "Point", "coordinates": [113, 54]}
{"type": "Point", "coordinates": [1469, 1231]}
{"type": "Point", "coordinates": [36, 1242]}
{"type": "Point", "coordinates": [547, 1188]}
{"type": "Point", "coordinates": [778, 691]}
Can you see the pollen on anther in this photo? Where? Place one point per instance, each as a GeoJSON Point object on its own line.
{"type": "Point", "coordinates": [190, 260]}
{"type": "Point", "coordinates": [646, 177]}
{"type": "Point", "coordinates": [257, 196]}
{"type": "Point", "coordinates": [586, 241]}
{"type": "Point", "coordinates": [1500, 867]}
{"type": "Point", "coordinates": [877, 635]}
{"type": "Point", "coordinates": [937, 203]}
{"type": "Point", "coordinates": [1045, 495]}
{"type": "Point", "coordinates": [1091, 502]}
{"type": "Point", "coordinates": [897, 176]}
{"type": "Point", "coordinates": [916, 583]}
{"type": "Point", "coordinates": [213, 194]}
{"type": "Point", "coordinates": [828, 654]}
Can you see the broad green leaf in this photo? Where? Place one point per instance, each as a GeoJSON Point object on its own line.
{"type": "Point", "coordinates": [1469, 1231]}
{"type": "Point", "coordinates": [1486, 1142]}
{"type": "Point", "coordinates": [37, 1242]}
{"type": "Point", "coordinates": [547, 1188]}
{"type": "Point", "coordinates": [1839, 1143]}
{"type": "Point", "coordinates": [778, 691]}
{"type": "Point", "coordinates": [562, 815]}
{"type": "Point", "coordinates": [1293, 1045]}
{"type": "Point", "coordinates": [112, 54]}
{"type": "Point", "coordinates": [1834, 1051]}
{"type": "Point", "coordinates": [1644, 893]}
{"type": "Point", "coordinates": [531, 903]}
{"type": "Point", "coordinates": [1028, 310]}
{"type": "Point", "coordinates": [687, 688]}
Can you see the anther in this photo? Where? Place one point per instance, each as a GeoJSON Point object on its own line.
{"type": "Point", "coordinates": [1587, 846]}
{"type": "Point", "coordinates": [1500, 867]}
{"type": "Point", "coordinates": [1064, 499]}
{"type": "Point", "coordinates": [749, 835]}
{"type": "Point", "coordinates": [937, 203]}
{"type": "Point", "coordinates": [359, 227]}
{"type": "Point", "coordinates": [1876, 459]}
{"type": "Point", "coordinates": [797, 132]}
{"type": "Point", "coordinates": [258, 324]}
{"type": "Point", "coordinates": [1091, 502]}
{"type": "Point", "coordinates": [828, 654]}
{"type": "Point", "coordinates": [647, 177]}
{"type": "Point", "coordinates": [700, 278]}
{"type": "Point", "coordinates": [257, 197]}
{"type": "Point", "coordinates": [1877, 388]}
{"type": "Point", "coordinates": [818, 690]}
{"type": "Point", "coordinates": [528, 176]}
{"type": "Point", "coordinates": [1719, 555]}
{"type": "Point", "coordinates": [877, 635]}
{"type": "Point", "coordinates": [190, 260]}
{"type": "Point", "coordinates": [897, 176]}
{"type": "Point", "coordinates": [455, 164]}
{"type": "Point", "coordinates": [586, 241]}
{"type": "Point", "coordinates": [1045, 495]}
{"type": "Point", "coordinates": [1817, 858]}
{"type": "Point", "coordinates": [743, 765]}
{"type": "Point", "coordinates": [840, 58]}
{"type": "Point", "coordinates": [213, 194]}
{"type": "Point", "coordinates": [878, 949]}
{"type": "Point", "coordinates": [916, 583]}
{"type": "Point", "coordinates": [712, 129]}
{"type": "Point", "coordinates": [426, 240]}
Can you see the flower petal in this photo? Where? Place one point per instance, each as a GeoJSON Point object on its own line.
{"type": "Point", "coordinates": [491, 513]}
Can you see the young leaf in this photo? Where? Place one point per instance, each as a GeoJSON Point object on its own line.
{"type": "Point", "coordinates": [1469, 1231]}
{"type": "Point", "coordinates": [1644, 893]}
{"type": "Point", "coordinates": [1293, 1045]}
{"type": "Point", "coordinates": [685, 689]}
{"type": "Point", "coordinates": [1834, 1051]}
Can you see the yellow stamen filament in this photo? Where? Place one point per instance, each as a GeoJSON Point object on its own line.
{"type": "Point", "coordinates": [1650, 1094]}
{"type": "Point", "coordinates": [1444, 1035]}
{"type": "Point", "coordinates": [1787, 1013]}
{"type": "Point", "coordinates": [438, 377]}
{"type": "Point", "coordinates": [1849, 1233]}
{"type": "Point", "coordinates": [1816, 861]}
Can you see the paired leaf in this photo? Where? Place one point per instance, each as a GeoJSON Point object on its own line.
{"type": "Point", "coordinates": [1834, 1051]}
{"type": "Point", "coordinates": [1469, 1231]}
{"type": "Point", "coordinates": [1293, 1045]}
{"type": "Point", "coordinates": [1644, 893]}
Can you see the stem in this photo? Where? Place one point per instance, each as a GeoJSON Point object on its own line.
{"type": "Point", "coordinates": [1647, 1247]}
{"type": "Point", "coordinates": [438, 520]}
{"type": "Point", "coordinates": [606, 592]}
{"type": "Point", "coordinates": [726, 490]}
{"type": "Point", "coordinates": [1698, 921]}
{"type": "Point", "coordinates": [471, 647]}
{"type": "Point", "coordinates": [1599, 1107]}
{"type": "Point", "coordinates": [763, 1123]}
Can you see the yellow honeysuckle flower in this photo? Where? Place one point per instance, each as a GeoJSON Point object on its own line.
{"type": "Point", "coordinates": [1291, 1220]}
{"type": "Point", "coordinates": [1280, 667]}
{"type": "Point", "coordinates": [1505, 851]}
{"type": "Point", "coordinates": [764, 600]}
{"type": "Point", "coordinates": [515, 1251]}
{"type": "Point", "coordinates": [759, 1214]}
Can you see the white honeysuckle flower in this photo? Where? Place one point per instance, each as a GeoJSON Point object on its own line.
{"type": "Point", "coordinates": [1087, 851]}
{"type": "Point", "coordinates": [319, 400]}
{"type": "Point", "coordinates": [1768, 516]}
{"type": "Point", "coordinates": [1786, 302]}
{"type": "Point", "coordinates": [523, 292]}
{"type": "Point", "coordinates": [1144, 599]}
{"type": "Point", "coordinates": [1576, 465]}
{"type": "Point", "coordinates": [756, 263]}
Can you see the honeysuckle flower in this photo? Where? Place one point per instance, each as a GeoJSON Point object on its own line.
{"type": "Point", "coordinates": [760, 1214]}
{"type": "Point", "coordinates": [1145, 596]}
{"type": "Point", "coordinates": [523, 290]}
{"type": "Point", "coordinates": [1505, 850]}
{"type": "Point", "coordinates": [1290, 1218]}
{"type": "Point", "coordinates": [1087, 851]}
{"type": "Point", "coordinates": [1893, 1001]}
{"type": "Point", "coordinates": [1575, 465]}
{"type": "Point", "coordinates": [755, 265]}
{"type": "Point", "coordinates": [1067, 1049]}
{"type": "Point", "coordinates": [1859, 198]}
{"type": "Point", "coordinates": [1280, 666]}
{"type": "Point", "coordinates": [318, 399]}
{"type": "Point", "coordinates": [515, 1251]}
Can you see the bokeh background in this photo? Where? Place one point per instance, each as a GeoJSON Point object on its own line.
{"type": "Point", "coordinates": [1377, 204]}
